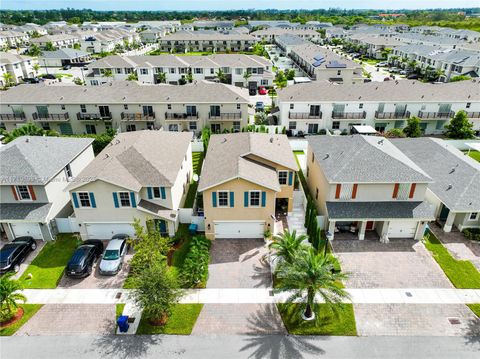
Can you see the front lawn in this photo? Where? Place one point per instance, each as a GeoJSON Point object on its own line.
{"type": "Point", "coordinates": [475, 155]}
{"type": "Point", "coordinates": [28, 311]}
{"type": "Point", "coordinates": [327, 322]}
{"type": "Point", "coordinates": [47, 268]}
{"type": "Point", "coordinates": [181, 321]}
{"type": "Point", "coordinates": [475, 308]}
{"type": "Point", "coordinates": [462, 274]}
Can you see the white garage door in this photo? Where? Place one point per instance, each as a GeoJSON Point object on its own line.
{"type": "Point", "coordinates": [27, 229]}
{"type": "Point", "coordinates": [239, 229]}
{"type": "Point", "coordinates": [403, 229]}
{"type": "Point", "coordinates": [107, 230]}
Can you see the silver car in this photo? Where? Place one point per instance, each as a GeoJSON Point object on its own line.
{"type": "Point", "coordinates": [112, 259]}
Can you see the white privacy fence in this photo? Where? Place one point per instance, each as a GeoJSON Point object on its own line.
{"type": "Point", "coordinates": [197, 145]}
{"type": "Point", "coordinates": [461, 144]}
{"type": "Point", "coordinates": [67, 225]}
{"type": "Point", "coordinates": [185, 215]}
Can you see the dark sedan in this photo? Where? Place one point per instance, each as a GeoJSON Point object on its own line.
{"type": "Point", "coordinates": [82, 261]}
{"type": "Point", "coordinates": [13, 254]}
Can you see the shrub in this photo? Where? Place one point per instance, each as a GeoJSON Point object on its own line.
{"type": "Point", "coordinates": [195, 267]}
{"type": "Point", "coordinates": [472, 234]}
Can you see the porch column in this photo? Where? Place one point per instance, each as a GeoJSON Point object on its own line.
{"type": "Point", "coordinates": [449, 222]}
{"type": "Point", "coordinates": [361, 230]}
{"type": "Point", "coordinates": [331, 229]}
{"type": "Point", "coordinates": [420, 230]}
{"type": "Point", "coordinates": [384, 232]}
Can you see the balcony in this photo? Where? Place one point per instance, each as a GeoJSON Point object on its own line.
{"type": "Point", "coordinates": [225, 116]}
{"type": "Point", "coordinates": [180, 116]}
{"type": "Point", "coordinates": [13, 117]}
{"type": "Point", "coordinates": [473, 114]}
{"type": "Point", "coordinates": [51, 117]}
{"type": "Point", "coordinates": [435, 115]}
{"type": "Point", "coordinates": [391, 115]}
{"type": "Point", "coordinates": [137, 116]}
{"type": "Point", "coordinates": [81, 116]}
{"type": "Point", "coordinates": [304, 116]}
{"type": "Point", "coordinates": [349, 115]}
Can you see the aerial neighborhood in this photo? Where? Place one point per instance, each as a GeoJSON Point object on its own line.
{"type": "Point", "coordinates": [264, 159]}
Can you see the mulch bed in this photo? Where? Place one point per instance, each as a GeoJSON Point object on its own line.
{"type": "Point", "coordinates": [172, 250]}
{"type": "Point", "coordinates": [14, 319]}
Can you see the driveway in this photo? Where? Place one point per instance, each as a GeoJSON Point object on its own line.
{"type": "Point", "coordinates": [238, 263]}
{"type": "Point", "coordinates": [96, 280]}
{"type": "Point", "coordinates": [71, 319]}
{"type": "Point", "coordinates": [30, 258]}
{"type": "Point", "coordinates": [402, 263]}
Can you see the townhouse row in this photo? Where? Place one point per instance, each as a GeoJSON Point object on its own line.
{"type": "Point", "coordinates": [237, 69]}
{"type": "Point", "coordinates": [319, 105]}
{"type": "Point", "coordinates": [126, 106]}
{"type": "Point", "coordinates": [18, 67]}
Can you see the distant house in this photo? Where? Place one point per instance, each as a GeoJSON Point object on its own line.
{"type": "Point", "coordinates": [18, 66]}
{"type": "Point", "coordinates": [65, 56]}
{"type": "Point", "coordinates": [34, 172]}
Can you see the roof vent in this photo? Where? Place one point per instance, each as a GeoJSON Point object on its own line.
{"type": "Point", "coordinates": [450, 186]}
{"type": "Point", "coordinates": [224, 140]}
{"type": "Point", "coordinates": [452, 170]}
{"type": "Point", "coordinates": [27, 140]}
{"type": "Point", "coordinates": [326, 156]}
{"type": "Point", "coordinates": [106, 155]}
{"type": "Point", "coordinates": [117, 141]}
{"type": "Point", "coordinates": [271, 139]}
{"type": "Point", "coordinates": [380, 142]}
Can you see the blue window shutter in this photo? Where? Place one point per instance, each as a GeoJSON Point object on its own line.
{"type": "Point", "coordinates": [75, 200]}
{"type": "Point", "coordinates": [245, 199]}
{"type": "Point", "coordinates": [149, 193]}
{"type": "Point", "coordinates": [133, 201]}
{"type": "Point", "coordinates": [115, 199]}
{"type": "Point", "coordinates": [264, 198]}
{"type": "Point", "coordinates": [162, 192]}
{"type": "Point", "coordinates": [290, 178]}
{"type": "Point", "coordinates": [232, 199]}
{"type": "Point", "coordinates": [214, 199]}
{"type": "Point", "coordinates": [92, 200]}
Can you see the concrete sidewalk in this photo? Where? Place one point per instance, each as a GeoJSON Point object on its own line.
{"type": "Point", "coordinates": [258, 295]}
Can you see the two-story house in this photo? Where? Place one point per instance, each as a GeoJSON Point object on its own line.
{"type": "Point", "coordinates": [455, 191]}
{"type": "Point", "coordinates": [141, 175]}
{"type": "Point", "coordinates": [19, 67]}
{"type": "Point", "coordinates": [34, 172]}
{"type": "Point", "coordinates": [247, 179]}
{"type": "Point", "coordinates": [365, 186]}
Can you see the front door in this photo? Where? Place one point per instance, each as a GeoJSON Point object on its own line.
{"type": "Point", "coordinates": [369, 226]}
{"type": "Point", "coordinates": [313, 128]}
{"type": "Point", "coordinates": [104, 111]}
{"type": "Point", "coordinates": [444, 213]}
{"type": "Point", "coordinates": [148, 111]}
{"type": "Point", "coordinates": [215, 127]}
{"type": "Point", "coordinates": [162, 227]}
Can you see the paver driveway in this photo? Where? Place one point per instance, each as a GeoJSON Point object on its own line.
{"type": "Point", "coordinates": [71, 319]}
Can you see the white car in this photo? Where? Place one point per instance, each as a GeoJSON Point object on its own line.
{"type": "Point", "coordinates": [112, 259]}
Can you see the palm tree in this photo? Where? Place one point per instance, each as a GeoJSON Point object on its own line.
{"type": "Point", "coordinates": [309, 275]}
{"type": "Point", "coordinates": [107, 73]}
{"type": "Point", "coordinates": [29, 129]}
{"type": "Point", "coordinates": [288, 244]}
{"type": "Point", "coordinates": [36, 67]}
{"type": "Point", "coordinates": [221, 76]}
{"type": "Point", "coordinates": [246, 76]}
{"type": "Point", "coordinates": [162, 77]}
{"type": "Point", "coordinates": [8, 79]}
{"type": "Point", "coordinates": [9, 296]}
{"type": "Point", "coordinates": [132, 77]}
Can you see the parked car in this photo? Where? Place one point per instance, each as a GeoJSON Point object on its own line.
{"type": "Point", "coordinates": [14, 253]}
{"type": "Point", "coordinates": [67, 67]}
{"type": "Point", "coordinates": [49, 77]}
{"type": "Point", "coordinates": [403, 72]}
{"type": "Point", "coordinates": [81, 263]}
{"type": "Point", "coordinates": [262, 90]}
{"type": "Point", "coordinates": [412, 77]}
{"type": "Point", "coordinates": [382, 64]}
{"type": "Point", "coordinates": [31, 80]}
{"type": "Point", "coordinates": [259, 106]}
{"type": "Point", "coordinates": [387, 79]}
{"type": "Point", "coordinates": [394, 70]}
{"type": "Point", "coordinates": [367, 80]}
{"type": "Point", "coordinates": [112, 259]}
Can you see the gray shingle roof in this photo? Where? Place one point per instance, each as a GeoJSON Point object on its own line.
{"type": "Point", "coordinates": [65, 53]}
{"type": "Point", "coordinates": [364, 159]}
{"type": "Point", "coordinates": [231, 156]}
{"type": "Point", "coordinates": [124, 92]}
{"type": "Point", "coordinates": [35, 160]}
{"type": "Point", "coordinates": [389, 91]}
{"type": "Point", "coordinates": [138, 159]}
{"type": "Point", "coordinates": [32, 212]}
{"type": "Point", "coordinates": [380, 210]}
{"type": "Point", "coordinates": [456, 176]}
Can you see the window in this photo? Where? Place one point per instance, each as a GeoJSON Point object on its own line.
{"type": "Point", "coordinates": [45, 126]}
{"type": "Point", "coordinates": [264, 82]}
{"type": "Point", "coordinates": [255, 199]}
{"type": "Point", "coordinates": [68, 172]}
{"type": "Point", "coordinates": [23, 193]}
{"type": "Point", "coordinates": [131, 128]}
{"type": "Point", "coordinates": [468, 104]}
{"type": "Point", "coordinates": [292, 125]}
{"type": "Point", "coordinates": [236, 126]}
{"type": "Point", "coordinates": [316, 193]}
{"type": "Point", "coordinates": [156, 192]}
{"type": "Point", "coordinates": [84, 199]}
{"type": "Point", "coordinates": [172, 70]}
{"type": "Point", "coordinates": [282, 177]}
{"type": "Point", "coordinates": [173, 127]}
{"type": "Point", "coordinates": [360, 106]}
{"type": "Point", "coordinates": [83, 108]}
{"type": "Point", "coordinates": [473, 216]}
{"type": "Point", "coordinates": [192, 125]}
{"type": "Point", "coordinates": [222, 199]}
{"type": "Point", "coordinates": [238, 106]}
{"type": "Point", "coordinates": [238, 71]}
{"type": "Point", "coordinates": [144, 71]}
{"type": "Point", "coordinates": [118, 71]}
{"type": "Point", "coordinates": [339, 72]}
{"type": "Point", "coordinates": [169, 106]}
{"type": "Point", "coordinates": [124, 198]}
{"type": "Point", "coordinates": [62, 107]}
{"type": "Point", "coordinates": [94, 82]}
{"type": "Point", "coordinates": [336, 125]}
{"type": "Point", "coordinates": [91, 130]}
{"type": "Point", "coordinates": [292, 106]}
{"type": "Point", "coordinates": [308, 171]}
{"type": "Point", "coordinates": [125, 107]}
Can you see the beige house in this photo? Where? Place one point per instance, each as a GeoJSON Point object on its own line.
{"type": "Point", "coordinates": [365, 187]}
{"type": "Point", "coordinates": [247, 181]}
{"type": "Point", "coordinates": [140, 175]}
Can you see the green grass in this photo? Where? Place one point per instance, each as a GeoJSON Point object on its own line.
{"type": "Point", "coordinates": [47, 268]}
{"type": "Point", "coordinates": [326, 323]}
{"type": "Point", "coordinates": [462, 274]}
{"type": "Point", "coordinates": [475, 308]}
{"type": "Point", "coordinates": [28, 311]}
{"type": "Point", "coordinates": [119, 309]}
{"type": "Point", "coordinates": [181, 252]}
{"type": "Point", "coordinates": [475, 155]}
{"type": "Point", "coordinates": [197, 160]}
{"type": "Point", "coordinates": [181, 321]}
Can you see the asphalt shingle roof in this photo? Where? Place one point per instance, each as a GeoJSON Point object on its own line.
{"type": "Point", "coordinates": [29, 160]}
{"type": "Point", "coordinates": [456, 176]}
{"type": "Point", "coordinates": [364, 159]}
{"type": "Point", "coordinates": [32, 212]}
{"type": "Point", "coordinates": [380, 210]}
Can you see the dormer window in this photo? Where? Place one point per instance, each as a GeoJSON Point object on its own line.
{"type": "Point", "coordinates": [23, 193]}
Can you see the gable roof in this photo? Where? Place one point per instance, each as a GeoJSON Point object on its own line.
{"type": "Point", "coordinates": [35, 160]}
{"type": "Point", "coordinates": [456, 176]}
{"type": "Point", "coordinates": [138, 159]}
{"type": "Point", "coordinates": [229, 157]}
{"type": "Point", "coordinates": [364, 159]}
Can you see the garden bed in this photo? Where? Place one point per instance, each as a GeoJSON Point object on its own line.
{"type": "Point", "coordinates": [180, 322]}
{"type": "Point", "coordinates": [28, 310]}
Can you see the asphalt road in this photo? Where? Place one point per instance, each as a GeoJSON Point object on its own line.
{"type": "Point", "coordinates": [246, 346]}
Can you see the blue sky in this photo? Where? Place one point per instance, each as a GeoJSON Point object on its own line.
{"type": "Point", "coordinates": [229, 4]}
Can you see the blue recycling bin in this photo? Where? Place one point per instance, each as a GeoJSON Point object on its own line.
{"type": "Point", "coordinates": [192, 228]}
{"type": "Point", "coordinates": [122, 323]}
